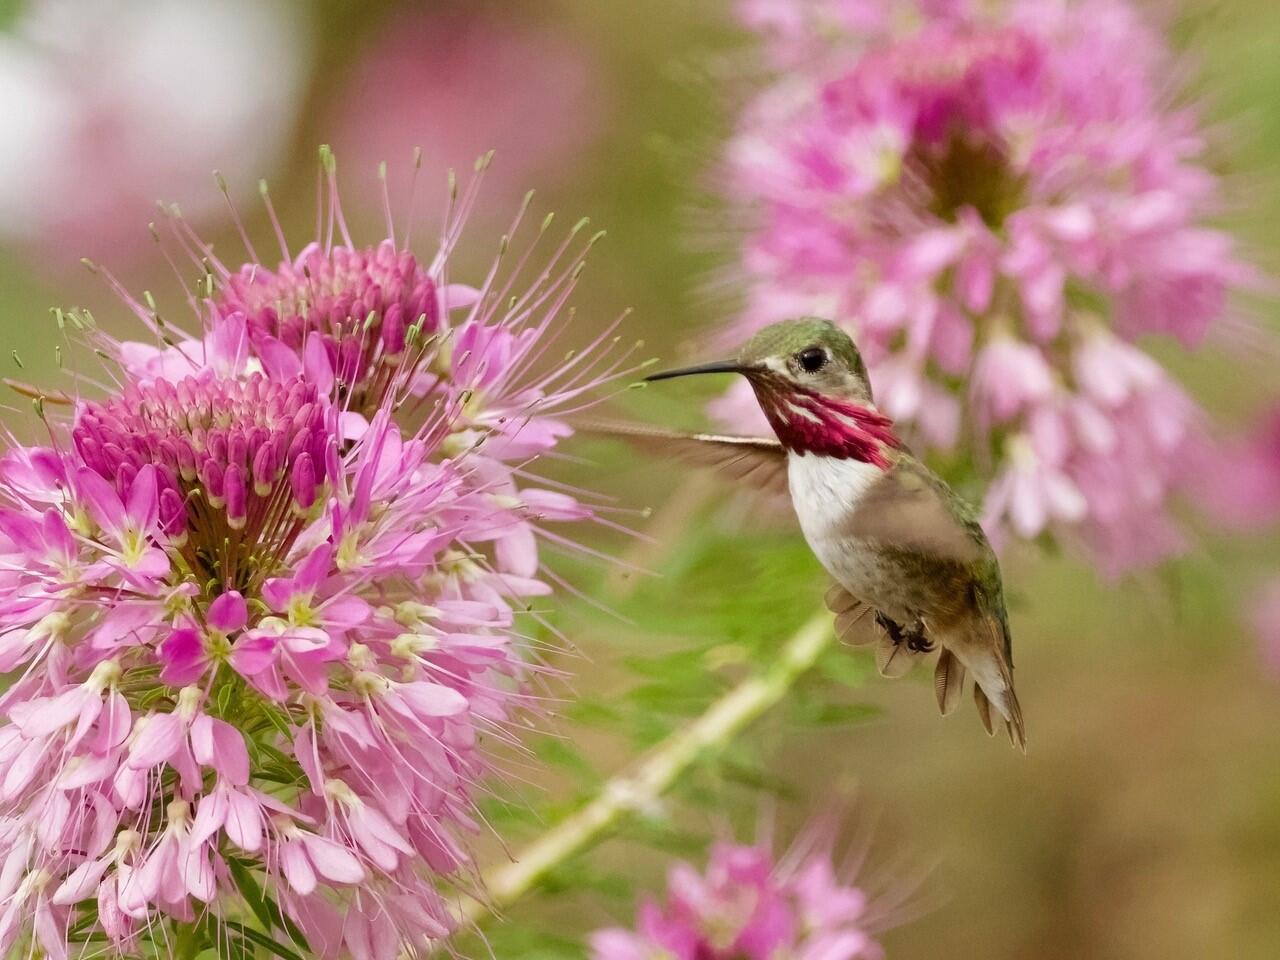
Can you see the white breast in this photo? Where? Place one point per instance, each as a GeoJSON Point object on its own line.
{"type": "Point", "coordinates": [824, 491]}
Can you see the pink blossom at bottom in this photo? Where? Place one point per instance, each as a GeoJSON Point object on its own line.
{"type": "Point", "coordinates": [747, 906]}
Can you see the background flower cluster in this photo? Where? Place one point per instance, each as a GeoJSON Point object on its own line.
{"type": "Point", "coordinates": [1003, 203]}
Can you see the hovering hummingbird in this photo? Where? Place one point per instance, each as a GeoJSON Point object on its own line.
{"type": "Point", "coordinates": [895, 538]}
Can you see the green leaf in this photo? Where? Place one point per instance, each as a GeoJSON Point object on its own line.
{"type": "Point", "coordinates": [262, 940]}
{"type": "Point", "coordinates": [224, 699]}
{"type": "Point", "coordinates": [251, 892]}
{"type": "Point", "coordinates": [277, 718]}
{"type": "Point", "coordinates": [561, 753]}
{"type": "Point", "coordinates": [230, 945]}
{"type": "Point", "coordinates": [680, 662]}
{"type": "Point", "coordinates": [525, 942]}
{"type": "Point", "coordinates": [593, 712]}
{"type": "Point", "coordinates": [508, 814]}
{"type": "Point", "coordinates": [836, 714]}
{"type": "Point", "coordinates": [849, 668]}
{"type": "Point", "coordinates": [757, 778]}
{"type": "Point", "coordinates": [683, 697]}
{"type": "Point", "coordinates": [264, 908]}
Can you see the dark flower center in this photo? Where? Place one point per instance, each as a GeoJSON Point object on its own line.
{"type": "Point", "coordinates": [964, 172]}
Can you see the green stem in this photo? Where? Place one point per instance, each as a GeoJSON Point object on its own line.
{"type": "Point", "coordinates": [653, 773]}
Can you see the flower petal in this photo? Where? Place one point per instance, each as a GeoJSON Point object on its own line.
{"type": "Point", "coordinates": [182, 653]}
{"type": "Point", "coordinates": [332, 860]}
{"type": "Point", "coordinates": [143, 508]}
{"type": "Point", "coordinates": [297, 868]}
{"type": "Point", "coordinates": [219, 745]}
{"type": "Point", "coordinates": [433, 699]}
{"type": "Point", "coordinates": [159, 739]}
{"type": "Point", "coordinates": [101, 500]}
{"type": "Point", "coordinates": [228, 612]}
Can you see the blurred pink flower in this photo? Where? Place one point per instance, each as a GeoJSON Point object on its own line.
{"type": "Point", "coordinates": [1265, 619]}
{"type": "Point", "coordinates": [110, 107]}
{"type": "Point", "coordinates": [458, 83]}
{"type": "Point", "coordinates": [746, 906]}
{"type": "Point", "coordinates": [996, 200]}
{"type": "Point", "coordinates": [261, 598]}
{"type": "Point", "coordinates": [1238, 479]}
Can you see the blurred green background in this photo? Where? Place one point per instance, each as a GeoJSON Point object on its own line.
{"type": "Point", "coordinates": [1145, 823]}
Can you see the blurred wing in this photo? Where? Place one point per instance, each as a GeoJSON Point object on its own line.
{"type": "Point", "coordinates": [911, 509]}
{"type": "Point", "coordinates": [758, 461]}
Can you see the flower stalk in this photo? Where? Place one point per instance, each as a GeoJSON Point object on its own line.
{"type": "Point", "coordinates": [652, 774]}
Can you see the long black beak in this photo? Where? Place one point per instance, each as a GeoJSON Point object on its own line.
{"type": "Point", "coordinates": [718, 366]}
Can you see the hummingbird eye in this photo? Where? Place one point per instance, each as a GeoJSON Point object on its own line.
{"type": "Point", "coordinates": [812, 359]}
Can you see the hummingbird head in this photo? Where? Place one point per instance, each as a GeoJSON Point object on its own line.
{"type": "Point", "coordinates": [810, 355]}
{"type": "Point", "coordinates": [812, 385]}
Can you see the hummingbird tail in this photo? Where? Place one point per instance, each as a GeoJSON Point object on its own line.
{"type": "Point", "coordinates": [998, 692]}
{"type": "Point", "coordinates": [992, 688]}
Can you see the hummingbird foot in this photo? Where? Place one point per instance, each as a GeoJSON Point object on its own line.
{"type": "Point", "coordinates": [916, 641]}
{"type": "Point", "coordinates": [891, 627]}
{"type": "Point", "coordinates": [912, 636]}
{"type": "Point", "coordinates": [900, 646]}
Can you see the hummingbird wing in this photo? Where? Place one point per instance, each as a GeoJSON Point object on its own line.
{"type": "Point", "coordinates": [910, 508]}
{"type": "Point", "coordinates": [758, 461]}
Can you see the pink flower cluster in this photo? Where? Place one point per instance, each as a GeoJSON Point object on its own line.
{"type": "Point", "coordinates": [1265, 617]}
{"type": "Point", "coordinates": [747, 907]}
{"type": "Point", "coordinates": [1237, 483]}
{"type": "Point", "coordinates": [464, 79]}
{"type": "Point", "coordinates": [998, 201]}
{"type": "Point", "coordinates": [259, 603]}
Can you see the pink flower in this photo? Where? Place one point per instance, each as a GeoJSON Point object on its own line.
{"type": "Point", "coordinates": [456, 83]}
{"type": "Point", "coordinates": [1032, 492]}
{"type": "Point", "coordinates": [89, 94]}
{"type": "Point", "coordinates": [1239, 480]}
{"type": "Point", "coordinates": [747, 906]}
{"type": "Point", "coordinates": [1008, 378]}
{"type": "Point", "coordinates": [1265, 619]}
{"type": "Point", "coordinates": [259, 601]}
{"type": "Point", "coordinates": [963, 187]}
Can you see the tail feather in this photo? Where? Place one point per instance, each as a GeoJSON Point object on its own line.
{"type": "Point", "coordinates": [1015, 726]}
{"type": "Point", "coordinates": [984, 709]}
{"type": "Point", "coordinates": [948, 681]}
{"type": "Point", "coordinates": [993, 687]}
{"type": "Point", "coordinates": [982, 647]}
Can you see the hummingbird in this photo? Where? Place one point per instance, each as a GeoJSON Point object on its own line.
{"type": "Point", "coordinates": [897, 541]}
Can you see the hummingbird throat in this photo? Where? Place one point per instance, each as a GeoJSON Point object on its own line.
{"type": "Point", "coordinates": [806, 421]}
